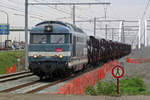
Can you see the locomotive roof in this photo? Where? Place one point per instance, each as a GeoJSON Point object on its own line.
{"type": "Point", "coordinates": [58, 27]}
{"type": "Point", "coordinates": [51, 22]}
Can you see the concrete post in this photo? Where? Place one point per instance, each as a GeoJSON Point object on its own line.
{"type": "Point", "coordinates": [139, 35]}
{"type": "Point", "coordinates": [146, 38]}
{"type": "Point", "coordinates": [26, 35]}
{"type": "Point", "coordinates": [120, 31]}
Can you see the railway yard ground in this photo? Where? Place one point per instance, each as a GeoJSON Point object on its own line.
{"type": "Point", "coordinates": [32, 82]}
{"type": "Point", "coordinates": [6, 96]}
{"type": "Point", "coordinates": [142, 69]}
{"type": "Point", "coordinates": [136, 69]}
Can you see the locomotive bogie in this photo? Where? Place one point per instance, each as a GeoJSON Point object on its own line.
{"type": "Point", "coordinates": [46, 68]}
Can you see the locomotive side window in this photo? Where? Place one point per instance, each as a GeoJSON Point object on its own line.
{"type": "Point", "coordinates": [39, 39]}
{"type": "Point", "coordinates": [57, 39]}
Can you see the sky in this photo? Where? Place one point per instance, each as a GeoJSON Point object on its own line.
{"type": "Point", "coordinates": [119, 9]}
{"type": "Point", "coordinates": [128, 2]}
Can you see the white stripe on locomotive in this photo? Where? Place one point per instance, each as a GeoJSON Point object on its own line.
{"type": "Point", "coordinates": [48, 54]}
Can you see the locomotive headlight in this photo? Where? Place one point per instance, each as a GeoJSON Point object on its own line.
{"type": "Point", "coordinates": [60, 56]}
{"type": "Point", "coordinates": [48, 28]}
{"type": "Point", "coordinates": [35, 56]}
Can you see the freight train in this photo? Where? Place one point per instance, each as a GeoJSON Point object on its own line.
{"type": "Point", "coordinates": [58, 48]}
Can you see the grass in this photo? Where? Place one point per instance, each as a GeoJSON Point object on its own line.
{"type": "Point", "coordinates": [9, 58]}
{"type": "Point", "coordinates": [133, 86]}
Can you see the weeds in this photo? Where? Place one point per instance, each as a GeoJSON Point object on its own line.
{"type": "Point", "coordinates": [133, 86]}
{"type": "Point", "coordinates": [9, 59]}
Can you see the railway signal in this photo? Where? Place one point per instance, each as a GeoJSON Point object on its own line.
{"type": "Point", "coordinates": [118, 72]}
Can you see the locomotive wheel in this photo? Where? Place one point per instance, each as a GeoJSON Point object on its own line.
{"type": "Point", "coordinates": [84, 67]}
{"type": "Point", "coordinates": [41, 76]}
{"type": "Point", "coordinates": [63, 73]}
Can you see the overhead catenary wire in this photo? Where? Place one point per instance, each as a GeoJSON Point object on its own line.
{"type": "Point", "coordinates": [145, 10]}
{"type": "Point", "coordinates": [22, 11]}
{"type": "Point", "coordinates": [54, 8]}
{"type": "Point", "coordinates": [62, 11]}
{"type": "Point", "coordinates": [144, 14]}
{"type": "Point", "coordinates": [31, 13]}
{"type": "Point", "coordinates": [3, 5]}
{"type": "Point", "coordinates": [49, 6]}
{"type": "Point", "coordinates": [57, 3]}
{"type": "Point", "coordinates": [13, 3]}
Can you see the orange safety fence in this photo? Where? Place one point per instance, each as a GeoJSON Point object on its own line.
{"type": "Point", "coordinates": [79, 84]}
{"type": "Point", "coordinates": [137, 60]}
{"type": "Point", "coordinates": [11, 69]}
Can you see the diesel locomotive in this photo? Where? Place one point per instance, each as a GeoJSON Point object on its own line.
{"type": "Point", "coordinates": [56, 47]}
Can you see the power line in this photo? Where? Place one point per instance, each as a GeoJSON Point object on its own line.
{"type": "Point", "coordinates": [105, 3]}
{"type": "Point", "coordinates": [146, 8]}
{"type": "Point", "coordinates": [3, 5]}
{"type": "Point", "coordinates": [14, 6]}
{"type": "Point", "coordinates": [14, 9]}
{"type": "Point", "coordinates": [143, 15]}
{"type": "Point", "coordinates": [40, 9]}
{"type": "Point", "coordinates": [11, 8]}
{"type": "Point", "coordinates": [14, 2]}
{"type": "Point", "coordinates": [62, 11]}
{"type": "Point", "coordinates": [55, 8]}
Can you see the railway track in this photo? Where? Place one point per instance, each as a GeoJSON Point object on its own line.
{"type": "Point", "coordinates": [20, 86]}
{"type": "Point", "coordinates": [33, 87]}
{"type": "Point", "coordinates": [14, 76]}
{"type": "Point", "coordinates": [36, 85]}
{"type": "Point", "coordinates": [59, 81]}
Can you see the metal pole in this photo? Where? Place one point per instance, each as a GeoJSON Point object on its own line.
{"type": "Point", "coordinates": [105, 11]}
{"type": "Point", "coordinates": [117, 86]}
{"type": "Point", "coordinates": [112, 34]}
{"type": "Point", "coordinates": [146, 39]}
{"type": "Point", "coordinates": [19, 37]}
{"type": "Point", "coordinates": [106, 31]}
{"type": "Point", "coordinates": [139, 34]}
{"type": "Point", "coordinates": [102, 3]}
{"type": "Point", "coordinates": [26, 34]}
{"type": "Point", "coordinates": [73, 15]}
{"type": "Point", "coordinates": [123, 36]}
{"type": "Point", "coordinates": [8, 25]}
{"type": "Point", "coordinates": [94, 26]}
{"type": "Point", "coordinates": [99, 20]}
{"type": "Point", "coordinates": [120, 31]}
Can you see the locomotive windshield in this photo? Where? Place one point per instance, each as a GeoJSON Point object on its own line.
{"type": "Point", "coordinates": [39, 39]}
{"type": "Point", "coordinates": [57, 39]}
{"type": "Point", "coordinates": [49, 39]}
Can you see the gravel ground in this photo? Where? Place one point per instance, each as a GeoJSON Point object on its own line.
{"type": "Point", "coordinates": [68, 97]}
{"type": "Point", "coordinates": [132, 70]}
{"type": "Point", "coordinates": [17, 82]}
